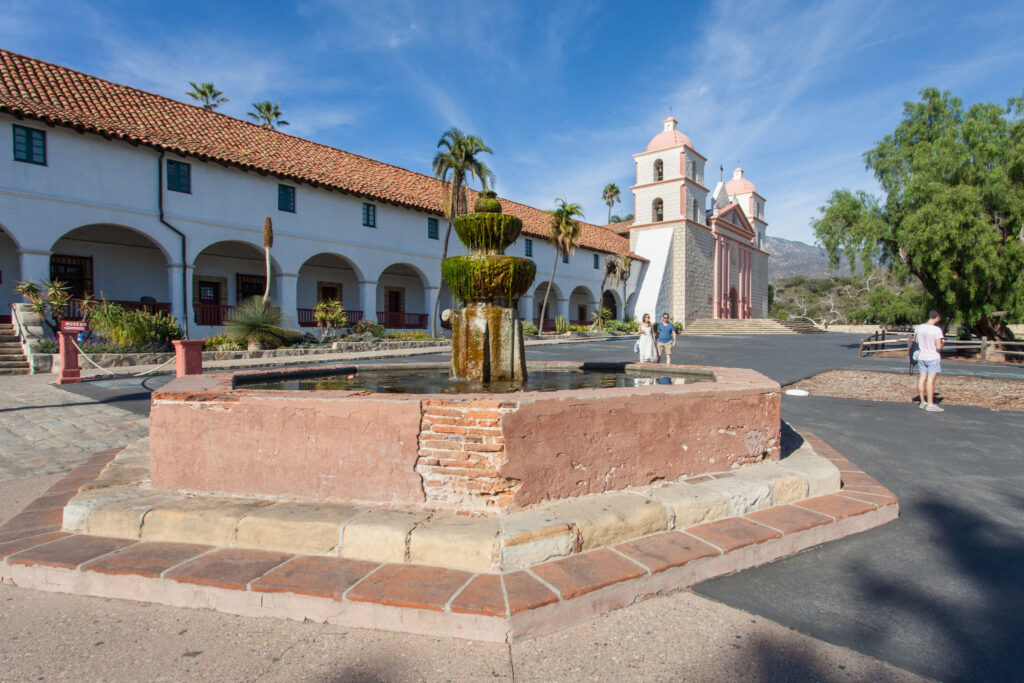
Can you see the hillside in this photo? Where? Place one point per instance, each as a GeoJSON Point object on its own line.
{"type": "Point", "coordinates": [789, 257]}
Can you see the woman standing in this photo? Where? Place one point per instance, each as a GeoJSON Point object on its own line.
{"type": "Point", "coordinates": [648, 353]}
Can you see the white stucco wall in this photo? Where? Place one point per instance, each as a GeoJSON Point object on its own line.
{"type": "Point", "coordinates": [654, 244]}
{"type": "Point", "coordinates": [10, 273]}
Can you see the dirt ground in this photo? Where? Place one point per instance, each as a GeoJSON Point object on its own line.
{"type": "Point", "coordinates": [996, 394]}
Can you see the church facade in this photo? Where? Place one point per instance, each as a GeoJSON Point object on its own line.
{"type": "Point", "coordinates": [704, 261]}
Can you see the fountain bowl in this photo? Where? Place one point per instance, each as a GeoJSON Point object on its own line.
{"type": "Point", "coordinates": [475, 452]}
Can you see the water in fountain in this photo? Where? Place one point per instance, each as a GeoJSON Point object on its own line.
{"type": "Point", "coordinates": [487, 334]}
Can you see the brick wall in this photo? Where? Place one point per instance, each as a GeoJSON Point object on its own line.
{"type": "Point", "coordinates": [461, 448]}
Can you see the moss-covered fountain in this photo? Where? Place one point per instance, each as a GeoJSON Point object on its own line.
{"type": "Point", "coordinates": [487, 334]}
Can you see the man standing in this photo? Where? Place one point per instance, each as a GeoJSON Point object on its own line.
{"type": "Point", "coordinates": [929, 340]}
{"type": "Point", "coordinates": [666, 338]}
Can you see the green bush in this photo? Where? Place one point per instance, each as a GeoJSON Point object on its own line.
{"type": "Point", "coordinates": [46, 346]}
{"type": "Point", "coordinates": [258, 322]}
{"type": "Point", "coordinates": [411, 336]}
{"type": "Point", "coordinates": [120, 326]}
{"type": "Point", "coordinates": [620, 326]}
{"type": "Point", "coordinates": [367, 326]}
{"type": "Point", "coordinates": [222, 342]}
{"type": "Point", "coordinates": [529, 328]}
{"type": "Point", "coordinates": [360, 337]}
{"type": "Point", "coordinates": [561, 325]}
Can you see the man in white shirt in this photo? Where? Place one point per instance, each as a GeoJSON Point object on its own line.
{"type": "Point", "coordinates": [930, 339]}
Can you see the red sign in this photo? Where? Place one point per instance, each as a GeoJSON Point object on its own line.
{"type": "Point", "coordinates": [74, 326]}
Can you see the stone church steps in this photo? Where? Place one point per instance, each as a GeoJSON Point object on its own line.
{"type": "Point", "coordinates": [750, 326]}
{"type": "Point", "coordinates": [12, 361]}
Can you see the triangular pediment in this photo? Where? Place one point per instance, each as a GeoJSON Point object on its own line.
{"type": "Point", "coordinates": [733, 220]}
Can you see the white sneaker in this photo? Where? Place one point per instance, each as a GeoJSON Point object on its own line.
{"type": "Point", "coordinates": [922, 405]}
{"type": "Point", "coordinates": [932, 408]}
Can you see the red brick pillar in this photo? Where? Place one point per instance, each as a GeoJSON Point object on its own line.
{"type": "Point", "coordinates": [188, 357]}
{"type": "Point", "coordinates": [69, 373]}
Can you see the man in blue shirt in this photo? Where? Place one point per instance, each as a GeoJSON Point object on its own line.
{"type": "Point", "coordinates": [666, 338]}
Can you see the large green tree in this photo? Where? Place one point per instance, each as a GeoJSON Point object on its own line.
{"type": "Point", "coordinates": [457, 159]}
{"type": "Point", "coordinates": [267, 114]}
{"type": "Point", "coordinates": [610, 195]}
{"type": "Point", "coordinates": [564, 235]}
{"type": "Point", "coordinates": [953, 210]}
{"type": "Point", "coordinates": [207, 94]}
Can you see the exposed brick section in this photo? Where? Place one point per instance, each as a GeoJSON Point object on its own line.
{"type": "Point", "coordinates": [461, 448]}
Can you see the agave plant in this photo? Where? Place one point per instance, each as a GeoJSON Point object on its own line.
{"type": "Point", "coordinates": [46, 299]}
{"type": "Point", "coordinates": [258, 322]}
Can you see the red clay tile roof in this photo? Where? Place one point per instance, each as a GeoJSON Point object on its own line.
{"type": "Point", "coordinates": [620, 228]}
{"type": "Point", "coordinates": [57, 95]}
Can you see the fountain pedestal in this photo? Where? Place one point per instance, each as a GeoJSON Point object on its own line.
{"type": "Point", "coordinates": [487, 344]}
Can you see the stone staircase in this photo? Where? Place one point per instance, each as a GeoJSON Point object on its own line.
{"type": "Point", "coordinates": [751, 326]}
{"type": "Point", "coordinates": [12, 360]}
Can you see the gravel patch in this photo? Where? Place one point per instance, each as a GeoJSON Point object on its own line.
{"type": "Point", "coordinates": [995, 394]}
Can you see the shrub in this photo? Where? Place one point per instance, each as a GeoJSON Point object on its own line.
{"type": "Point", "coordinates": [46, 345]}
{"type": "Point", "coordinates": [259, 323]}
{"type": "Point", "coordinates": [529, 328]}
{"type": "Point", "coordinates": [620, 326]}
{"type": "Point", "coordinates": [365, 326]}
{"type": "Point", "coordinates": [132, 328]}
{"type": "Point", "coordinates": [360, 337]}
{"type": "Point", "coordinates": [561, 326]}
{"type": "Point", "coordinates": [222, 342]}
{"type": "Point", "coordinates": [579, 328]}
{"type": "Point", "coordinates": [329, 315]}
{"type": "Point", "coordinates": [412, 336]}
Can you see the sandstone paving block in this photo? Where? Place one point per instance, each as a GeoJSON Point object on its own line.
{"type": "Point", "coordinates": [580, 574]}
{"type": "Point", "coordinates": [77, 511]}
{"type": "Point", "coordinates": [410, 586]}
{"type": "Point", "coordinates": [666, 550]}
{"type": "Point", "coordinates": [457, 541]}
{"type": "Point", "coordinates": [788, 486]}
{"type": "Point", "coordinates": [209, 521]}
{"type": "Point", "coordinates": [380, 535]}
{"type": "Point", "coordinates": [71, 551]}
{"type": "Point", "coordinates": [691, 503]}
{"type": "Point", "coordinates": [822, 476]}
{"type": "Point", "coordinates": [742, 495]}
{"type": "Point", "coordinates": [318, 576]}
{"type": "Point", "coordinates": [123, 518]}
{"type": "Point", "coordinates": [483, 595]}
{"type": "Point", "coordinates": [614, 518]}
{"type": "Point", "coordinates": [232, 568]}
{"type": "Point", "coordinates": [733, 533]}
{"type": "Point", "coordinates": [534, 536]}
{"type": "Point", "coordinates": [147, 559]}
{"type": "Point", "coordinates": [303, 528]}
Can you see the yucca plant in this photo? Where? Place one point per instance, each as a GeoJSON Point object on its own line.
{"type": "Point", "coordinates": [329, 316]}
{"type": "Point", "coordinates": [258, 322]}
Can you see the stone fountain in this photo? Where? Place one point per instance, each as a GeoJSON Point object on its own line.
{"type": "Point", "coordinates": [487, 334]}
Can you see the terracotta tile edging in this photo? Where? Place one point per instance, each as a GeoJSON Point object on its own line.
{"type": "Point", "coordinates": [491, 609]}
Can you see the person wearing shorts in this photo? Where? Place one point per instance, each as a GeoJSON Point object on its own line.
{"type": "Point", "coordinates": [929, 339]}
{"type": "Point", "coordinates": [666, 338]}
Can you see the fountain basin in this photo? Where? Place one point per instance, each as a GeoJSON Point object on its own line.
{"type": "Point", "coordinates": [467, 452]}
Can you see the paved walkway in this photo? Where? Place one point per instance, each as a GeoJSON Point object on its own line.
{"type": "Point", "coordinates": [675, 637]}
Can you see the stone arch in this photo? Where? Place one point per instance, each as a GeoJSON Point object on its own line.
{"type": "Point", "coordinates": [657, 210]}
{"type": "Point", "coordinates": [612, 300]}
{"type": "Point", "coordinates": [630, 307]}
{"type": "Point", "coordinates": [329, 275]}
{"type": "Point", "coordinates": [402, 298]}
{"type": "Point", "coordinates": [10, 272]}
{"type": "Point", "coordinates": [538, 302]}
{"type": "Point", "coordinates": [226, 272]}
{"type": "Point", "coordinates": [114, 262]}
{"type": "Point", "coordinates": [659, 170]}
{"type": "Point", "coordinates": [580, 301]}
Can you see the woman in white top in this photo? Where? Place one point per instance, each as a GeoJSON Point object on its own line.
{"type": "Point", "coordinates": [648, 352]}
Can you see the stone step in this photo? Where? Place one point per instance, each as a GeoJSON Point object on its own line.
{"type": "Point", "coordinates": [750, 326]}
{"type": "Point", "coordinates": [13, 364]}
{"type": "Point", "coordinates": [15, 371]}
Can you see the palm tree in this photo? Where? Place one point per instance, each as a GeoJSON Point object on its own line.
{"type": "Point", "coordinates": [610, 195]}
{"type": "Point", "coordinates": [207, 94]}
{"type": "Point", "coordinates": [564, 236]}
{"type": "Point", "coordinates": [457, 156]}
{"type": "Point", "coordinates": [267, 114]}
{"type": "Point", "coordinates": [620, 219]}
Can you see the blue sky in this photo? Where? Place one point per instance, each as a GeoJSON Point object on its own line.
{"type": "Point", "coordinates": [564, 92]}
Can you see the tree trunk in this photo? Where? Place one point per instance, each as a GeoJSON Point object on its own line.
{"type": "Point", "coordinates": [547, 290]}
{"type": "Point", "coordinates": [599, 323]}
{"type": "Point", "coordinates": [266, 290]}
